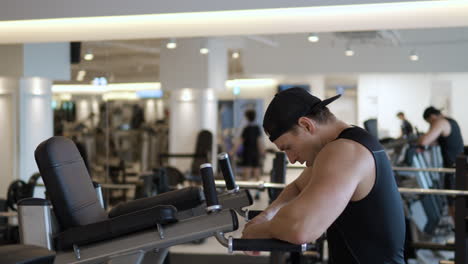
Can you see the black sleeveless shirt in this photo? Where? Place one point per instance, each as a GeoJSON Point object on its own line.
{"type": "Point", "coordinates": [250, 136]}
{"type": "Point", "coordinates": [452, 145]}
{"type": "Point", "coordinates": [372, 230]}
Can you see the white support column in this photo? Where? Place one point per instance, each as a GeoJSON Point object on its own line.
{"type": "Point", "coordinates": [26, 121]}
{"type": "Point", "coordinates": [35, 121]}
{"type": "Point", "coordinates": [192, 110]}
{"type": "Point", "coordinates": [8, 133]}
{"type": "Point", "coordinates": [192, 78]}
{"type": "Point", "coordinates": [26, 104]}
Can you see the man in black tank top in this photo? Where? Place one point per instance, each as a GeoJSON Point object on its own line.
{"type": "Point", "coordinates": [346, 190]}
{"type": "Point", "coordinates": [252, 147]}
{"type": "Point", "coordinates": [445, 132]}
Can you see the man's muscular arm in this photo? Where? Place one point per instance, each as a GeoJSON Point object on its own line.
{"type": "Point", "coordinates": [338, 170]}
{"type": "Point", "coordinates": [434, 132]}
{"type": "Point", "coordinates": [290, 192]}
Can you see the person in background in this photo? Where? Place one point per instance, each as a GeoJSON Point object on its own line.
{"type": "Point", "coordinates": [406, 127]}
{"type": "Point", "coordinates": [138, 117]}
{"type": "Point", "coordinates": [446, 132]}
{"type": "Point", "coordinates": [252, 148]}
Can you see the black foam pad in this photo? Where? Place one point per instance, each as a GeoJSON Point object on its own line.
{"type": "Point", "coordinates": [68, 183]}
{"type": "Point", "coordinates": [182, 199]}
{"type": "Point", "coordinates": [116, 227]}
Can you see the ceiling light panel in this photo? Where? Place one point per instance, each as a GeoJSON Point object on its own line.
{"type": "Point", "coordinates": [397, 15]}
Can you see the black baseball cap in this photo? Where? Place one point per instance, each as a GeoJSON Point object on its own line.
{"type": "Point", "coordinates": [430, 111]}
{"type": "Point", "coordinates": [287, 107]}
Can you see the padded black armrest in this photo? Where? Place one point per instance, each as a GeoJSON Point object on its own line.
{"type": "Point", "coordinates": [116, 227]}
{"type": "Point", "coordinates": [182, 199]}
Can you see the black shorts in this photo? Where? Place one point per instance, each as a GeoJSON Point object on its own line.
{"type": "Point", "coordinates": [250, 160]}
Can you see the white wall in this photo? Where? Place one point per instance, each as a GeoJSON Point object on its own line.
{"type": "Point", "coordinates": [459, 100]}
{"type": "Point", "coordinates": [383, 95]}
{"type": "Point", "coordinates": [345, 108]}
{"type": "Point", "coordinates": [47, 60]}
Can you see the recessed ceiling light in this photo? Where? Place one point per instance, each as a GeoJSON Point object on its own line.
{"type": "Point", "coordinates": [413, 56]}
{"type": "Point", "coordinates": [172, 44]}
{"type": "Point", "coordinates": [89, 56]}
{"type": "Point", "coordinates": [313, 38]}
{"type": "Point", "coordinates": [349, 52]}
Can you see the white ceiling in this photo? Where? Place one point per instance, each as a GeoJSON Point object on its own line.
{"type": "Point", "coordinates": [399, 15]}
{"type": "Point", "coordinates": [126, 39]}
{"type": "Point", "coordinates": [46, 9]}
{"type": "Point", "coordinates": [138, 60]}
{"type": "Point", "coordinates": [440, 50]}
{"type": "Point", "coordinates": [121, 61]}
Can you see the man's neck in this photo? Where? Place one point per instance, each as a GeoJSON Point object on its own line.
{"type": "Point", "coordinates": [332, 130]}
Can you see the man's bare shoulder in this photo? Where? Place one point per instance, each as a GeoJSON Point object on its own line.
{"type": "Point", "coordinates": [443, 126]}
{"type": "Point", "coordinates": [342, 146]}
{"type": "Point", "coordinates": [441, 122]}
{"type": "Point", "coordinates": [346, 163]}
{"type": "Point", "coordinates": [343, 154]}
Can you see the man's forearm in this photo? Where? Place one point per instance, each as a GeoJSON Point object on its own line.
{"type": "Point", "coordinates": [290, 192]}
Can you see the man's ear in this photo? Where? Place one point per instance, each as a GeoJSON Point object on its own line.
{"type": "Point", "coordinates": [307, 124]}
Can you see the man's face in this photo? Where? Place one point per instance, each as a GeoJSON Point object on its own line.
{"type": "Point", "coordinates": [401, 117]}
{"type": "Point", "coordinates": [299, 145]}
{"type": "Point", "coordinates": [431, 119]}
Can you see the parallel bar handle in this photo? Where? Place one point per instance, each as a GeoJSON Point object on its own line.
{"type": "Point", "coordinates": [226, 169]}
{"type": "Point", "coordinates": [209, 188]}
{"type": "Point", "coordinates": [268, 245]}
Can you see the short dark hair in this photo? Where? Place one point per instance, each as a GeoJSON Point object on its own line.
{"type": "Point", "coordinates": [322, 115]}
{"type": "Point", "coordinates": [250, 115]}
{"type": "Point", "coordinates": [400, 114]}
{"type": "Point", "coordinates": [288, 106]}
{"type": "Point", "coordinates": [430, 111]}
